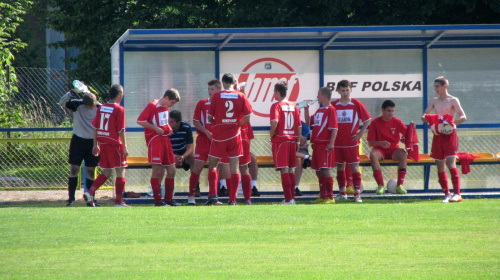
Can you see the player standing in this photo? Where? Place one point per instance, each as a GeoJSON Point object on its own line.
{"type": "Point", "coordinates": [110, 143]}
{"type": "Point", "coordinates": [350, 112]}
{"type": "Point", "coordinates": [154, 119]}
{"type": "Point", "coordinates": [323, 135]}
{"type": "Point", "coordinates": [203, 140]}
{"type": "Point", "coordinates": [384, 135]}
{"type": "Point", "coordinates": [285, 130]}
{"type": "Point", "coordinates": [228, 111]}
{"type": "Point", "coordinates": [445, 145]}
{"type": "Point", "coordinates": [80, 148]}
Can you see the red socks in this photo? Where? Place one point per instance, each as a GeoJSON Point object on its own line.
{"type": "Point", "coordinates": [455, 180]}
{"type": "Point", "coordinates": [328, 181]}
{"type": "Point", "coordinates": [156, 187]}
{"type": "Point", "coordinates": [443, 181]}
{"type": "Point", "coordinates": [193, 183]}
{"type": "Point", "coordinates": [119, 189]}
{"type": "Point", "coordinates": [212, 182]}
{"type": "Point", "coordinates": [232, 186]}
{"type": "Point", "coordinates": [377, 174]}
{"type": "Point", "coordinates": [341, 180]}
{"type": "Point", "coordinates": [292, 185]}
{"type": "Point", "coordinates": [246, 184]}
{"type": "Point", "coordinates": [356, 181]}
{"type": "Point", "coordinates": [99, 181]}
{"type": "Point", "coordinates": [285, 184]}
{"type": "Point", "coordinates": [169, 189]}
{"type": "Point", "coordinates": [401, 177]}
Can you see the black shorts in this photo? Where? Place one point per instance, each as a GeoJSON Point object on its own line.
{"type": "Point", "coordinates": [80, 149]}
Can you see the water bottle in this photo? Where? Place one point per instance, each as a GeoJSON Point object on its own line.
{"type": "Point", "coordinates": [80, 87]}
{"type": "Point", "coordinates": [305, 103]}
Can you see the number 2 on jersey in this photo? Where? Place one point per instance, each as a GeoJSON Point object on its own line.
{"type": "Point", "coordinates": [229, 106]}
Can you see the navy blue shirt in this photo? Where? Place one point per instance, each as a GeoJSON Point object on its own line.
{"type": "Point", "coordinates": [181, 138]}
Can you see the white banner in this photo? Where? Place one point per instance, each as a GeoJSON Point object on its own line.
{"type": "Point", "coordinates": [261, 70]}
{"type": "Point", "coordinates": [380, 86]}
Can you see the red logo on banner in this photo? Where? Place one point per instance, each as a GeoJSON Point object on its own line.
{"type": "Point", "coordinates": [260, 86]}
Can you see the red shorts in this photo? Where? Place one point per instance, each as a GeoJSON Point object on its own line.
{"type": "Point", "coordinates": [386, 153]}
{"type": "Point", "coordinates": [245, 158]}
{"type": "Point", "coordinates": [321, 158]}
{"type": "Point", "coordinates": [230, 148]}
{"type": "Point", "coordinates": [347, 155]}
{"type": "Point", "coordinates": [160, 151]}
{"type": "Point", "coordinates": [444, 146]}
{"type": "Point", "coordinates": [284, 154]}
{"type": "Point", "coordinates": [202, 148]}
{"type": "Point", "coordinates": [111, 156]}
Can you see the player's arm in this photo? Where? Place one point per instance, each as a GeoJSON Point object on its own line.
{"type": "Point", "coordinates": [124, 141]}
{"type": "Point", "coordinates": [332, 140]}
{"type": "Point", "coordinates": [189, 143]}
{"type": "Point", "coordinates": [459, 111]}
{"type": "Point", "coordinates": [148, 125]}
{"type": "Point", "coordinates": [429, 109]}
{"type": "Point", "coordinates": [274, 125]}
{"type": "Point", "coordinates": [203, 129]}
{"type": "Point", "coordinates": [65, 98]}
{"type": "Point", "coordinates": [361, 132]}
{"type": "Point", "coordinates": [189, 151]}
{"type": "Point", "coordinates": [245, 120]}
{"type": "Point", "coordinates": [95, 148]}
{"type": "Point", "coordinates": [307, 117]}
{"type": "Point", "coordinates": [298, 138]}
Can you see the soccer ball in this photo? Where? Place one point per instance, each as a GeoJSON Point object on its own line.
{"type": "Point", "coordinates": [391, 185]}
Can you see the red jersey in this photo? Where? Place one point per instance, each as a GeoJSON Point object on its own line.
{"type": "Point", "coordinates": [247, 132]}
{"type": "Point", "coordinates": [201, 115]}
{"type": "Point", "coordinates": [440, 125]}
{"type": "Point", "coordinates": [287, 115]}
{"type": "Point", "coordinates": [157, 115]}
{"type": "Point", "coordinates": [389, 131]}
{"type": "Point", "coordinates": [228, 108]}
{"type": "Point", "coordinates": [109, 121]}
{"type": "Point", "coordinates": [348, 117]}
{"type": "Point", "coordinates": [324, 121]}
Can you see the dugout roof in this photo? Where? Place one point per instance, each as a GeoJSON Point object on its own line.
{"type": "Point", "coordinates": [309, 38]}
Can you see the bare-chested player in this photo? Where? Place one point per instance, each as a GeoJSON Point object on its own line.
{"type": "Point", "coordinates": [445, 141]}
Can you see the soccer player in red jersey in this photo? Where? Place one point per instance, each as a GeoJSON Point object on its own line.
{"type": "Point", "coordinates": [384, 135]}
{"type": "Point", "coordinates": [203, 140]}
{"type": "Point", "coordinates": [110, 143]}
{"type": "Point", "coordinates": [154, 119]}
{"type": "Point", "coordinates": [229, 110]}
{"type": "Point", "coordinates": [323, 135]}
{"type": "Point", "coordinates": [285, 129]}
{"type": "Point", "coordinates": [445, 145]}
{"type": "Point", "coordinates": [350, 112]}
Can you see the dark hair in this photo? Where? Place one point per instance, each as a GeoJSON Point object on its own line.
{"type": "Point", "coordinates": [228, 79]}
{"type": "Point", "coordinates": [281, 87]}
{"type": "Point", "coordinates": [326, 91]}
{"type": "Point", "coordinates": [343, 83]}
{"type": "Point", "coordinates": [441, 80]}
{"type": "Point", "coordinates": [215, 83]}
{"type": "Point", "coordinates": [89, 99]}
{"type": "Point", "coordinates": [114, 90]}
{"type": "Point", "coordinates": [176, 115]}
{"type": "Point", "coordinates": [388, 103]}
{"type": "Point", "coordinates": [172, 94]}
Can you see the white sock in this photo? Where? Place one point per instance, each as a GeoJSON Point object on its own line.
{"type": "Point", "coordinates": [223, 183]}
{"type": "Point", "coordinates": [296, 186]}
{"type": "Point", "coordinates": [254, 183]}
{"type": "Point", "coordinates": [306, 156]}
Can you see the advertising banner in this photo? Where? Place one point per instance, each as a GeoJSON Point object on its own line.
{"type": "Point", "coordinates": [261, 70]}
{"type": "Point", "coordinates": [381, 86]}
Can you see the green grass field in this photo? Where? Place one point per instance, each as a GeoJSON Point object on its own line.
{"type": "Point", "coordinates": [396, 239]}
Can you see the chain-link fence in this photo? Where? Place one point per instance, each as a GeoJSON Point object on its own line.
{"type": "Point", "coordinates": [34, 152]}
{"type": "Point", "coordinates": [35, 157]}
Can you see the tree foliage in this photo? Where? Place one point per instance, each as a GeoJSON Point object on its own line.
{"type": "Point", "coordinates": [93, 26]}
{"type": "Point", "coordinates": [10, 17]}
